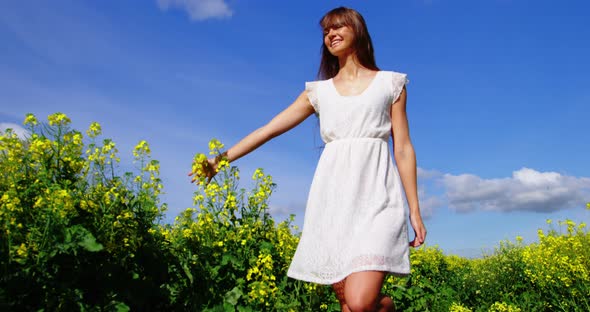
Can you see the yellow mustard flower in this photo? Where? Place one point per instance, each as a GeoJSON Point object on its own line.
{"type": "Point", "coordinates": [141, 149]}
{"type": "Point", "coordinates": [30, 119]}
{"type": "Point", "coordinates": [215, 146]}
{"type": "Point", "coordinates": [58, 119]}
{"type": "Point", "coordinates": [22, 251]}
{"type": "Point", "coordinates": [94, 130]}
{"type": "Point", "coordinates": [457, 307]}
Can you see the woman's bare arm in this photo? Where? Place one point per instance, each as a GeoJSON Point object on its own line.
{"type": "Point", "coordinates": [290, 117]}
{"type": "Point", "coordinates": [293, 115]}
{"type": "Point", "coordinates": [405, 158]}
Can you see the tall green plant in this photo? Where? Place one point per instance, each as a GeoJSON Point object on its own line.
{"type": "Point", "coordinates": [72, 229]}
{"type": "Point", "coordinates": [231, 254]}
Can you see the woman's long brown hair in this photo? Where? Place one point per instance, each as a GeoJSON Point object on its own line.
{"type": "Point", "coordinates": [363, 47]}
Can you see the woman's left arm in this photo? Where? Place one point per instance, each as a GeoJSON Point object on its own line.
{"type": "Point", "coordinates": [405, 158]}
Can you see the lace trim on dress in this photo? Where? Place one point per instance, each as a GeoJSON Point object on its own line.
{"type": "Point", "coordinates": [365, 260]}
{"type": "Point", "coordinates": [359, 263]}
{"type": "Point", "coordinates": [398, 81]}
{"type": "Point", "coordinates": [312, 95]}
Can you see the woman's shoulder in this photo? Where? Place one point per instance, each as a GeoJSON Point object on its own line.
{"type": "Point", "coordinates": [394, 82]}
{"type": "Point", "coordinates": [311, 89]}
{"type": "Point", "coordinates": [396, 77]}
{"type": "Point", "coordinates": [393, 73]}
{"type": "Point", "coordinates": [314, 84]}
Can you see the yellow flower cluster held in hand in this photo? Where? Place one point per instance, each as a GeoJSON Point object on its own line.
{"type": "Point", "coordinates": [203, 170]}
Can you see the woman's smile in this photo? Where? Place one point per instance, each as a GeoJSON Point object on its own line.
{"type": "Point", "coordinates": [335, 42]}
{"type": "Point", "coordinates": [338, 38]}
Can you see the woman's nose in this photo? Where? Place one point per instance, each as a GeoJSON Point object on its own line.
{"type": "Point", "coordinates": [331, 33]}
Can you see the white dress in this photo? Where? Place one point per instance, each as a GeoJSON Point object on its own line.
{"type": "Point", "coordinates": [355, 218]}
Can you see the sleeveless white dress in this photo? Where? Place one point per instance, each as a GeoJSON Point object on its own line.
{"type": "Point", "coordinates": [355, 218]}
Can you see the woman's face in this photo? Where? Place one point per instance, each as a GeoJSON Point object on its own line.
{"type": "Point", "coordinates": [339, 39]}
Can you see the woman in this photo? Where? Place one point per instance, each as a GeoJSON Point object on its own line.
{"type": "Point", "coordinates": [354, 232]}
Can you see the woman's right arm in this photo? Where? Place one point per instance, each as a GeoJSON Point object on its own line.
{"type": "Point", "coordinates": [290, 117]}
{"type": "Point", "coordinates": [293, 115]}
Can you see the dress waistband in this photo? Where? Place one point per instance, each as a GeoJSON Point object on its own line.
{"type": "Point", "coordinates": [361, 139]}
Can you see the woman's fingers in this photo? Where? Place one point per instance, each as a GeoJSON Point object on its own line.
{"type": "Point", "coordinates": [419, 232]}
{"type": "Point", "coordinates": [199, 170]}
{"type": "Point", "coordinates": [416, 242]}
{"type": "Point", "coordinates": [205, 170]}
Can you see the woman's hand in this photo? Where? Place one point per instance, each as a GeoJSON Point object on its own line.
{"type": "Point", "coordinates": [203, 169]}
{"type": "Point", "coordinates": [419, 230]}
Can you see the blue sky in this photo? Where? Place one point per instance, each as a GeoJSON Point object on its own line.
{"type": "Point", "coordinates": [498, 102]}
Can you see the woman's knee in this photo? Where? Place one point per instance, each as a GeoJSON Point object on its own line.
{"type": "Point", "coordinates": [385, 304]}
{"type": "Point", "coordinates": [360, 304]}
{"type": "Point", "coordinates": [362, 291]}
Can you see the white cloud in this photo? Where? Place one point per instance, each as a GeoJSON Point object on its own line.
{"type": "Point", "coordinates": [526, 190]}
{"type": "Point", "coordinates": [427, 174]}
{"type": "Point", "coordinates": [20, 131]}
{"type": "Point", "coordinates": [279, 210]}
{"type": "Point", "coordinates": [428, 203]}
{"type": "Point", "coordinates": [199, 9]}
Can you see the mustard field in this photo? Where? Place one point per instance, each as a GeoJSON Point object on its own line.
{"type": "Point", "coordinates": [78, 234]}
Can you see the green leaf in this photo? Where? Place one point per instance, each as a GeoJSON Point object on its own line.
{"type": "Point", "coordinates": [264, 245]}
{"type": "Point", "coordinates": [230, 258]}
{"type": "Point", "coordinates": [89, 243]}
{"type": "Point", "coordinates": [228, 307]}
{"type": "Point", "coordinates": [83, 237]}
{"type": "Point", "coordinates": [187, 272]}
{"type": "Point", "coordinates": [121, 307]}
{"type": "Point", "coordinates": [226, 258]}
{"type": "Point", "coordinates": [334, 306]}
{"type": "Point", "coordinates": [233, 296]}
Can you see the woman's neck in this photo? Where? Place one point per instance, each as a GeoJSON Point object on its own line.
{"type": "Point", "coordinates": [350, 68]}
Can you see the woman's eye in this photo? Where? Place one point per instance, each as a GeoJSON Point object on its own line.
{"type": "Point", "coordinates": [332, 27]}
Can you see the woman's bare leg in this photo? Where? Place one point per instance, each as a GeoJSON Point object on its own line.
{"type": "Point", "coordinates": [385, 304]}
{"type": "Point", "coordinates": [339, 291]}
{"type": "Point", "coordinates": [362, 292]}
